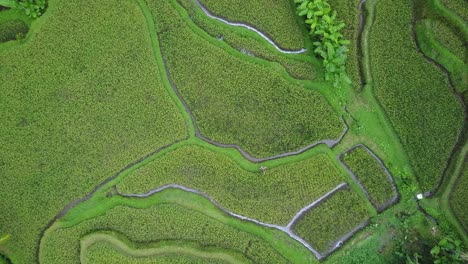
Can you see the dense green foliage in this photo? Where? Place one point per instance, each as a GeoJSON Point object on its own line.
{"type": "Point", "coordinates": [32, 8]}
{"type": "Point", "coordinates": [73, 116]}
{"type": "Point", "coordinates": [298, 66]}
{"type": "Point", "coordinates": [274, 18]}
{"type": "Point", "coordinates": [349, 13]}
{"type": "Point", "coordinates": [11, 30]}
{"type": "Point", "coordinates": [447, 251]}
{"type": "Point", "coordinates": [158, 223]}
{"type": "Point", "coordinates": [323, 225]}
{"type": "Point", "coordinates": [328, 41]}
{"type": "Point", "coordinates": [262, 112]}
{"type": "Point", "coordinates": [267, 198]}
{"type": "Point", "coordinates": [458, 197]}
{"type": "Point", "coordinates": [370, 174]}
{"type": "Point", "coordinates": [418, 101]}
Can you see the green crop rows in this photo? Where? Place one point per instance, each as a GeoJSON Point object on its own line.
{"type": "Point", "coordinates": [274, 18]}
{"type": "Point", "coordinates": [300, 66]}
{"type": "Point", "coordinates": [458, 197]}
{"type": "Point", "coordinates": [157, 223]}
{"type": "Point", "coordinates": [370, 174]}
{"type": "Point", "coordinates": [457, 6]}
{"type": "Point", "coordinates": [261, 112]}
{"type": "Point", "coordinates": [418, 101]}
{"type": "Point", "coordinates": [263, 197]}
{"type": "Point", "coordinates": [68, 120]}
{"type": "Point", "coordinates": [327, 222]}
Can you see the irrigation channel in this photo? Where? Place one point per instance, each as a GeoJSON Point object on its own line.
{"type": "Point", "coordinates": [236, 24]}
{"type": "Point", "coordinates": [396, 195]}
{"type": "Point", "coordinates": [287, 229]}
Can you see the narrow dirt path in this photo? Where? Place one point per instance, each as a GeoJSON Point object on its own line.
{"type": "Point", "coordinates": [236, 24]}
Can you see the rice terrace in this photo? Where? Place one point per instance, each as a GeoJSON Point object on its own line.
{"type": "Point", "coordinates": [216, 131]}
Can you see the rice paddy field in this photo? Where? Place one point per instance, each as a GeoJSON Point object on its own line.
{"type": "Point", "coordinates": [202, 131]}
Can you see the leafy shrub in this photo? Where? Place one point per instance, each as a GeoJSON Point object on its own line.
{"type": "Point", "coordinates": [325, 29]}
{"type": "Point", "coordinates": [447, 251]}
{"type": "Point", "coordinates": [10, 29]}
{"type": "Point", "coordinates": [32, 8]}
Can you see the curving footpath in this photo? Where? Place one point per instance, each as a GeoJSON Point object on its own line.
{"type": "Point", "coordinates": [388, 203]}
{"type": "Point", "coordinates": [236, 24]}
{"type": "Point", "coordinates": [286, 229]}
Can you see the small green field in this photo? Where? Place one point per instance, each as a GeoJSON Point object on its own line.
{"type": "Point", "coordinates": [370, 173]}
{"type": "Point", "coordinates": [214, 131]}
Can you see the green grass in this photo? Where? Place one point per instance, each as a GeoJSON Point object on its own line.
{"type": "Point", "coordinates": [457, 198]}
{"type": "Point", "coordinates": [267, 198]}
{"type": "Point", "coordinates": [300, 66]}
{"type": "Point", "coordinates": [370, 174]}
{"type": "Point", "coordinates": [261, 111]}
{"type": "Point", "coordinates": [73, 116]}
{"type": "Point", "coordinates": [277, 19]}
{"type": "Point", "coordinates": [159, 221]}
{"type": "Point", "coordinates": [327, 222]}
{"type": "Point", "coordinates": [418, 100]}
{"type": "Point", "coordinates": [109, 247]}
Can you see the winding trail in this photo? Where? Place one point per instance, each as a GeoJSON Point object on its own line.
{"type": "Point", "coordinates": [286, 229]}
{"type": "Point", "coordinates": [396, 196]}
{"type": "Point", "coordinates": [236, 24]}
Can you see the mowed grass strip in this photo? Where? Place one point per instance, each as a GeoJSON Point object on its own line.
{"type": "Point", "coordinates": [371, 174]}
{"type": "Point", "coordinates": [237, 101]}
{"type": "Point", "coordinates": [274, 197]}
{"type": "Point", "coordinates": [110, 247]}
{"type": "Point", "coordinates": [323, 225]}
{"type": "Point", "coordinates": [80, 99]}
{"type": "Point", "coordinates": [415, 94]}
{"type": "Point", "coordinates": [277, 19]}
{"type": "Point", "coordinates": [458, 197]}
{"type": "Point", "coordinates": [162, 222]}
{"type": "Point", "coordinates": [300, 66]}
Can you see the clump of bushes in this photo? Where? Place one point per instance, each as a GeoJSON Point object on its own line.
{"type": "Point", "coordinates": [32, 8]}
{"type": "Point", "coordinates": [329, 42]}
{"type": "Point", "coordinates": [9, 30]}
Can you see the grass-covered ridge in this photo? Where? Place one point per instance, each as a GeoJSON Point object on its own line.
{"type": "Point", "coordinates": [109, 247]}
{"type": "Point", "coordinates": [371, 175]}
{"type": "Point", "coordinates": [418, 101]}
{"type": "Point", "coordinates": [262, 111]}
{"type": "Point", "coordinates": [73, 116]}
{"type": "Point", "coordinates": [265, 197]}
{"type": "Point", "coordinates": [274, 18]}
